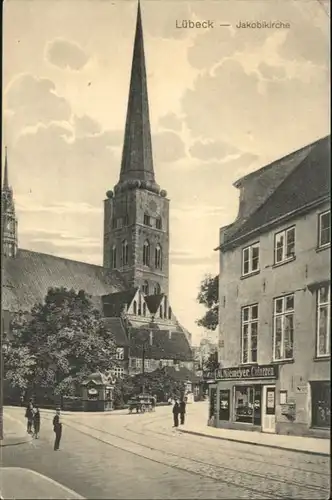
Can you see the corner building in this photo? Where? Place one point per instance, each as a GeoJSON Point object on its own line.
{"type": "Point", "coordinates": [274, 337]}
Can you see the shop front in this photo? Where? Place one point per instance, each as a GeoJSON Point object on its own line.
{"type": "Point", "coordinates": [244, 398]}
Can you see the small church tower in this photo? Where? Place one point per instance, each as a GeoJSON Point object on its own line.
{"type": "Point", "coordinates": [8, 217]}
{"type": "Point", "coordinates": [136, 214]}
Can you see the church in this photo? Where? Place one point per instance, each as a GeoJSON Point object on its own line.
{"type": "Point", "coordinates": [131, 288]}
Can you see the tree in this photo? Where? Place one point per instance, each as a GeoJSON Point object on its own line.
{"type": "Point", "coordinates": [212, 363]}
{"type": "Point", "coordinates": [208, 296]}
{"type": "Point", "coordinates": [66, 338]}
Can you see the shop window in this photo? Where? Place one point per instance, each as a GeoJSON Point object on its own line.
{"type": "Point", "coordinates": [224, 398]}
{"type": "Point", "coordinates": [284, 245]}
{"type": "Point", "coordinates": [248, 404]}
{"type": "Point", "coordinates": [213, 402]}
{"type": "Point", "coordinates": [321, 404]}
{"type": "Point", "coordinates": [249, 333]}
{"type": "Point", "coordinates": [250, 259]}
{"type": "Point", "coordinates": [323, 321]}
{"type": "Point", "coordinates": [283, 327]}
{"type": "Point", "coordinates": [324, 232]}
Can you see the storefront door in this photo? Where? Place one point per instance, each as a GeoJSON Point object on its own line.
{"type": "Point", "coordinates": [269, 409]}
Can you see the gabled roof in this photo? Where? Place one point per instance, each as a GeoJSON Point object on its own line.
{"type": "Point", "coordinates": [117, 328]}
{"type": "Point", "coordinates": [96, 378]}
{"type": "Point", "coordinates": [307, 183]}
{"type": "Point", "coordinates": [153, 302]}
{"type": "Point", "coordinates": [165, 345]}
{"type": "Point", "coordinates": [114, 303]}
{"type": "Point", "coordinates": [29, 275]}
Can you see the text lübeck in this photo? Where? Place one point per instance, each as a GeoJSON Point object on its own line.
{"type": "Point", "coordinates": [187, 23]}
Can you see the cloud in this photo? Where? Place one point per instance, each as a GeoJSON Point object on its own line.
{"type": "Point", "coordinates": [271, 72]}
{"type": "Point", "coordinates": [212, 150]}
{"type": "Point", "coordinates": [232, 105]}
{"type": "Point", "coordinates": [66, 54]}
{"type": "Point", "coordinates": [160, 18]}
{"type": "Point", "coordinates": [168, 147]}
{"type": "Point", "coordinates": [171, 122]}
{"type": "Point", "coordinates": [85, 125]}
{"type": "Point", "coordinates": [25, 204]}
{"type": "Point", "coordinates": [29, 100]}
{"type": "Point", "coordinates": [186, 258]}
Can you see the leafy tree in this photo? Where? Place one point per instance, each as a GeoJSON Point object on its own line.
{"type": "Point", "coordinates": [208, 296]}
{"type": "Point", "coordinates": [66, 338]}
{"type": "Point", "coordinates": [212, 363]}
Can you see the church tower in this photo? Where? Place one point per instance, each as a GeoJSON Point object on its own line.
{"type": "Point", "coordinates": [136, 214]}
{"type": "Point", "coordinates": [8, 217]}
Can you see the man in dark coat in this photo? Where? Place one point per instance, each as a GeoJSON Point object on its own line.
{"type": "Point", "coordinates": [29, 417]}
{"type": "Point", "coordinates": [36, 422]}
{"type": "Point", "coordinates": [176, 411]}
{"type": "Point", "coordinates": [57, 427]}
{"type": "Point", "coordinates": [182, 409]}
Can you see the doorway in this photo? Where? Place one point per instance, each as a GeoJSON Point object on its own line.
{"type": "Point", "coordinates": [269, 409]}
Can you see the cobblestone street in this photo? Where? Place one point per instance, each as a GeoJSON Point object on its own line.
{"type": "Point", "coordinates": [141, 456]}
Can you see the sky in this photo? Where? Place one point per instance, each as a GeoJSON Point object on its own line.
{"type": "Point", "coordinates": [224, 101]}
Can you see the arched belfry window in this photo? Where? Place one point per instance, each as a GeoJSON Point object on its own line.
{"type": "Point", "coordinates": [113, 257]}
{"type": "Point", "coordinates": [135, 307]}
{"type": "Point", "coordinates": [146, 253]}
{"type": "Point", "coordinates": [125, 253]}
{"type": "Point", "coordinates": [145, 288]}
{"type": "Point", "coordinates": [158, 257]}
{"type": "Point", "coordinates": [157, 289]}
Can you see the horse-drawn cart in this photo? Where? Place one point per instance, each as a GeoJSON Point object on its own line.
{"type": "Point", "coordinates": [141, 404]}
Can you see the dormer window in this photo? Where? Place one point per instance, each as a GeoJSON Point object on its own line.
{"type": "Point", "coordinates": [147, 220]}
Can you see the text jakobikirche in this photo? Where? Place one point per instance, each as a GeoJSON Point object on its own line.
{"type": "Point", "coordinates": [252, 372]}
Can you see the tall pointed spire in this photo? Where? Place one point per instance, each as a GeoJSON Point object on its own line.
{"type": "Point", "coordinates": [5, 174]}
{"type": "Point", "coordinates": [137, 159]}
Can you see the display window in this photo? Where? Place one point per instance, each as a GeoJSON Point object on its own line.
{"type": "Point", "coordinates": [321, 404]}
{"type": "Point", "coordinates": [247, 406]}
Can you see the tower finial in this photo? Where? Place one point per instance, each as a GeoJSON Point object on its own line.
{"type": "Point", "coordinates": [5, 176]}
{"type": "Point", "coordinates": [137, 159]}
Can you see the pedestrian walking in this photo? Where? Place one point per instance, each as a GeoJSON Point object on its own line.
{"type": "Point", "coordinates": [29, 417]}
{"type": "Point", "coordinates": [176, 411]}
{"type": "Point", "coordinates": [36, 422]}
{"type": "Point", "coordinates": [182, 409]}
{"type": "Point", "coordinates": [57, 427]}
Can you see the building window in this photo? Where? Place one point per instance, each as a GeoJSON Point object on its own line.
{"type": "Point", "coordinates": [119, 353]}
{"type": "Point", "coordinates": [146, 253]}
{"type": "Point", "coordinates": [158, 223]}
{"type": "Point", "coordinates": [147, 364]}
{"type": "Point", "coordinates": [138, 363]}
{"type": "Point", "coordinates": [119, 223]}
{"type": "Point", "coordinates": [321, 404]}
{"type": "Point", "coordinates": [135, 307]}
{"type": "Point", "coordinates": [249, 333]}
{"type": "Point", "coordinates": [248, 404]}
{"type": "Point", "coordinates": [284, 245]}
{"type": "Point", "coordinates": [169, 313]}
{"type": "Point", "coordinates": [145, 288]}
{"type": "Point", "coordinates": [250, 259]}
{"type": "Point", "coordinates": [114, 223]}
{"type": "Point", "coordinates": [118, 372]}
{"type": "Point", "coordinates": [157, 257]}
{"type": "Point", "coordinates": [161, 311]}
{"type": "Point", "coordinates": [157, 289]}
{"type": "Point", "coordinates": [113, 257]}
{"type": "Point", "coordinates": [144, 309]}
{"type": "Point", "coordinates": [124, 253]}
{"type": "Point", "coordinates": [324, 229]}
{"type": "Point", "coordinates": [283, 327]}
{"type": "Point", "coordinates": [323, 321]}
{"type": "Point", "coordinates": [147, 220]}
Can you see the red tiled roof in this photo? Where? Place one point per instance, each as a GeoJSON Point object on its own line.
{"type": "Point", "coordinates": [29, 275]}
{"type": "Point", "coordinates": [117, 328]}
{"type": "Point", "coordinates": [165, 345]}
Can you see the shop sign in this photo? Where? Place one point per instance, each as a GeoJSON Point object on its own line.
{"type": "Point", "coordinates": [243, 373]}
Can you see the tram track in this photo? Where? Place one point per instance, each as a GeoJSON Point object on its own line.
{"type": "Point", "coordinates": [192, 462]}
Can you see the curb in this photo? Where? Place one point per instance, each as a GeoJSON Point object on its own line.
{"type": "Point", "coordinates": [22, 440]}
{"type": "Point", "coordinates": [295, 450]}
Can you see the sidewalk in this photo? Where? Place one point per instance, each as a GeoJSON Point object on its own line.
{"type": "Point", "coordinates": [291, 443]}
{"type": "Point", "coordinates": [14, 432]}
{"type": "Point", "coordinates": [17, 483]}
